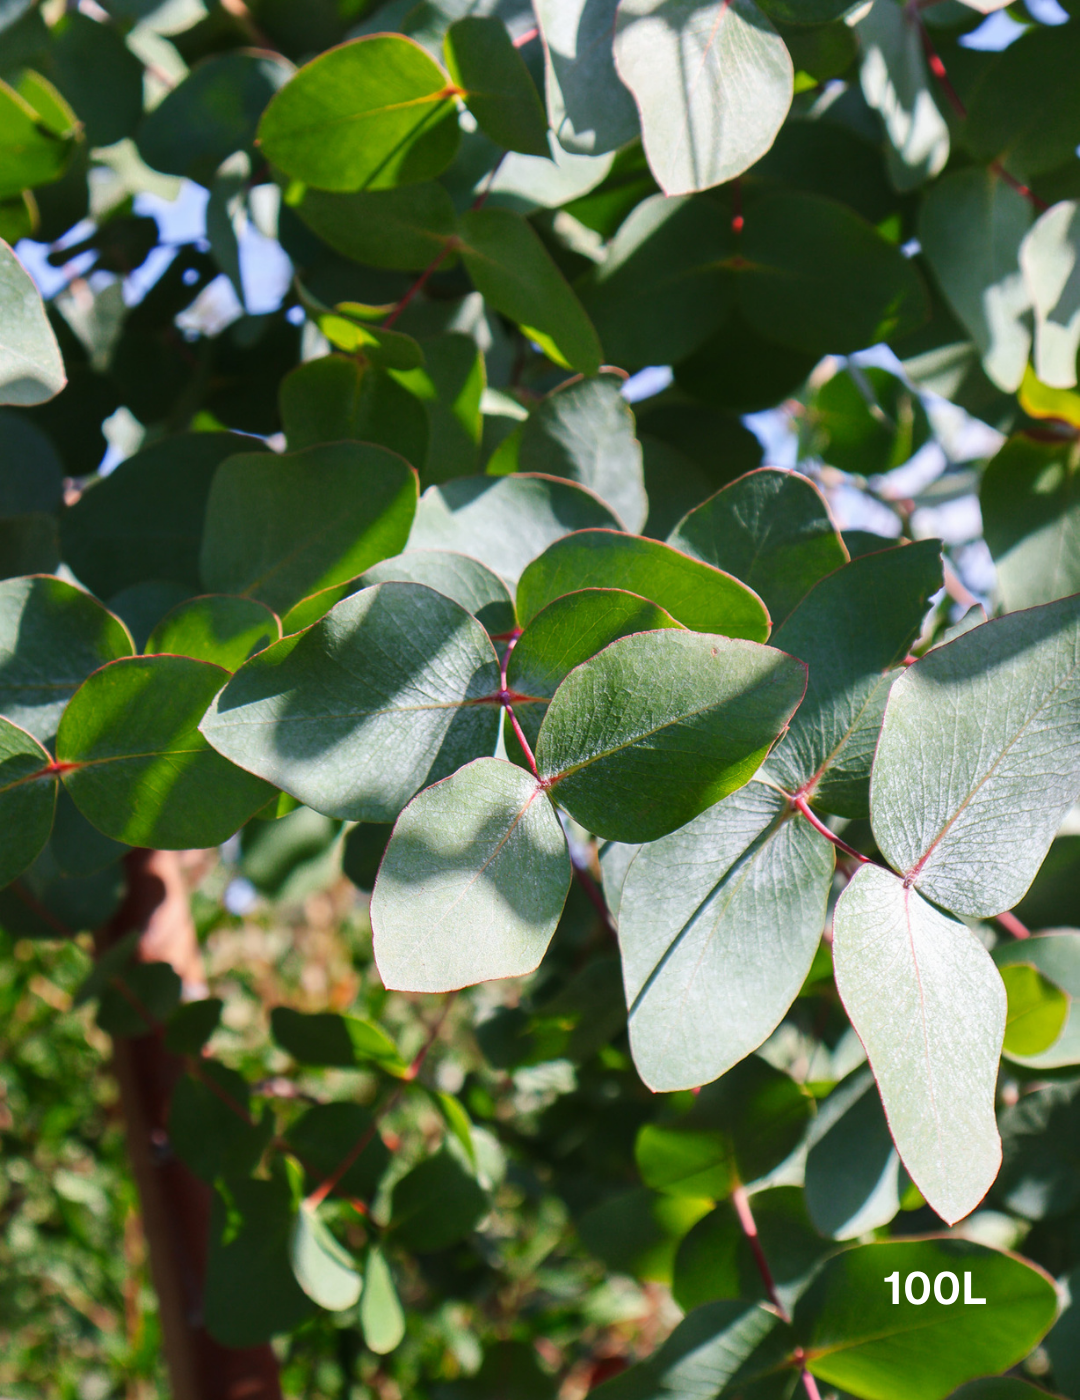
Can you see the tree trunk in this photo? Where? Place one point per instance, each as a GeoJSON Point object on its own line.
{"type": "Point", "coordinates": [175, 1203]}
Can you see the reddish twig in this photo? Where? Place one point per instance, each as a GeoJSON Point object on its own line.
{"type": "Point", "coordinates": [1011, 924]}
{"type": "Point", "coordinates": [810, 1386]}
{"type": "Point", "coordinates": [418, 286]}
{"type": "Point", "coordinates": [327, 1185]}
{"type": "Point", "coordinates": [800, 804]}
{"type": "Point", "coordinates": [526, 38]}
{"type": "Point", "coordinates": [741, 1201]}
{"type": "Point", "coordinates": [595, 896]}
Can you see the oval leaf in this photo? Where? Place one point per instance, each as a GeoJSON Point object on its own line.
{"type": "Point", "coordinates": [27, 800]}
{"type": "Point", "coordinates": [631, 764]}
{"type": "Point", "coordinates": [217, 628]}
{"type": "Point", "coordinates": [472, 883]}
{"type": "Point", "coordinates": [139, 768]}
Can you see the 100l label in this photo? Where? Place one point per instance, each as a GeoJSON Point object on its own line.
{"type": "Point", "coordinates": [917, 1288]}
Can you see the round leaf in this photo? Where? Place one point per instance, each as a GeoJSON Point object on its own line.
{"type": "Point", "coordinates": [217, 628]}
{"type": "Point", "coordinates": [27, 800]}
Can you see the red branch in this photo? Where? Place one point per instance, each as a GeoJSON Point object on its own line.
{"type": "Point", "coordinates": [800, 803]}
{"type": "Point", "coordinates": [741, 1201]}
{"type": "Point", "coordinates": [1011, 924]}
{"type": "Point", "coordinates": [937, 67]}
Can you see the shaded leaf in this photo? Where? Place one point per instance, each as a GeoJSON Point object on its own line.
{"type": "Point", "coordinates": [31, 369]}
{"type": "Point", "coordinates": [1031, 519]}
{"type": "Point", "coordinates": [27, 800]}
{"type": "Point", "coordinates": [584, 431]}
{"type": "Point", "coordinates": [140, 769]}
{"type": "Point", "coordinates": [456, 576]}
{"type": "Point", "coordinates": [901, 965]}
{"type": "Point", "coordinates": [853, 1174]}
{"type": "Point", "coordinates": [772, 530]}
{"type": "Point", "coordinates": [1048, 258]}
{"type": "Point", "coordinates": [52, 635]}
{"type": "Point", "coordinates": [436, 1204]}
{"type": "Point", "coordinates": [374, 702]}
{"type": "Point", "coordinates": [591, 110]}
{"type": "Point", "coordinates": [515, 274]}
{"type": "Point", "coordinates": [326, 1135]}
{"type": "Point", "coordinates": [496, 84]}
{"type": "Point", "coordinates": [402, 228]}
{"type": "Point", "coordinates": [631, 765]}
{"type": "Point", "coordinates": [327, 1038]}
{"type": "Point", "coordinates": [280, 528]}
{"type": "Point", "coordinates": [505, 521]}
{"type": "Point", "coordinates": [472, 883]}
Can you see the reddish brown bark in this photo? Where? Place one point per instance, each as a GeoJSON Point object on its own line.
{"type": "Point", "coordinates": [175, 1204]}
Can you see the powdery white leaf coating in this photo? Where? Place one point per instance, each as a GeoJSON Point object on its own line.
{"type": "Point", "coordinates": [1050, 260]}
{"type": "Point", "coordinates": [979, 759]}
{"type": "Point", "coordinates": [472, 883]}
{"type": "Point", "coordinates": [589, 108]}
{"type": "Point", "coordinates": [929, 1006]}
{"type": "Point", "coordinates": [970, 228]}
{"type": "Point", "coordinates": [713, 84]}
{"type": "Point", "coordinates": [896, 84]}
{"type": "Point", "coordinates": [31, 367]}
{"type": "Point", "coordinates": [718, 927]}
{"type": "Point", "coordinates": [356, 714]}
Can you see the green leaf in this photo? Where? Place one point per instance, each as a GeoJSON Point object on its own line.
{"type": "Point", "coordinates": [999, 1388]}
{"type": "Point", "coordinates": [332, 399]}
{"type": "Point", "coordinates": [37, 137]}
{"type": "Point", "coordinates": [718, 926]}
{"type": "Point", "coordinates": [853, 1174]}
{"type": "Point", "coordinates": [473, 882]}
{"type": "Point", "coordinates": [367, 115]}
{"type": "Point", "coordinates": [771, 529]}
{"type": "Point", "coordinates": [630, 764]}
{"type": "Point", "coordinates": [280, 528]}
{"type": "Point", "coordinates": [515, 274]}
{"type": "Point", "coordinates": [867, 420]}
{"type": "Point", "coordinates": [1048, 258]}
{"type": "Point", "coordinates": [210, 1125]}
{"type": "Point", "coordinates": [695, 594]}
{"type": "Point", "coordinates": [152, 995]}
{"type": "Point", "coordinates": [851, 629]}
{"type": "Point", "coordinates": [374, 702]}
{"type": "Point", "coordinates": [324, 1269]}
{"type": "Point", "coordinates": [584, 431]}
{"type": "Point", "coordinates": [805, 272]}
{"type": "Point", "coordinates": [896, 85]}
{"type": "Point", "coordinates": [251, 1291]}
{"type": "Point", "coordinates": [346, 329]}
{"type": "Point", "coordinates": [562, 636]}
{"type": "Point", "coordinates": [100, 76]}
{"type": "Point", "coordinates": [145, 519]}
{"type": "Point", "coordinates": [140, 769]}
{"type": "Point", "coordinates": [715, 1260]}
{"type": "Point", "coordinates": [326, 1135]}
{"type": "Point", "coordinates": [31, 472]}
{"type": "Point", "coordinates": [212, 113]}
{"type": "Point", "coordinates": [404, 228]}
{"type": "Point", "coordinates": [52, 635]}
{"type": "Point", "coordinates": [456, 576]}
{"type": "Point", "coordinates": [1037, 1010]}
{"type": "Point", "coordinates": [450, 388]}
{"type": "Point", "coordinates": [1024, 109]}
{"type": "Point", "coordinates": [971, 228]}
{"type": "Point", "coordinates": [856, 1337]}
{"type": "Point", "coordinates": [719, 1350]}
{"type": "Point", "coordinates": [218, 628]}
{"type": "Point", "coordinates": [31, 369]}
{"type": "Point", "coordinates": [27, 800]}
{"type": "Point", "coordinates": [363, 851]}
{"type": "Point", "coordinates": [937, 1086]}
{"type": "Point", "coordinates": [591, 110]}
{"type": "Point", "coordinates": [326, 1038]}
{"type": "Point", "coordinates": [290, 846]}
{"type": "Point", "coordinates": [505, 521]}
{"type": "Point", "coordinates": [637, 1232]}
{"type": "Point", "coordinates": [1057, 957]}
{"type": "Point", "coordinates": [436, 1204]}
{"type": "Point", "coordinates": [713, 83]}
{"type": "Point", "coordinates": [681, 1162]}
{"type": "Point", "coordinates": [739, 369]}
{"type": "Point", "coordinates": [985, 710]}
{"type": "Point", "coordinates": [381, 1315]}
{"type": "Point", "coordinates": [496, 85]}
{"type": "Point", "coordinates": [192, 1024]}
{"type": "Point", "coordinates": [1031, 519]}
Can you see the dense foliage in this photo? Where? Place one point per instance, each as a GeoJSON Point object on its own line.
{"type": "Point", "coordinates": [615, 881]}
